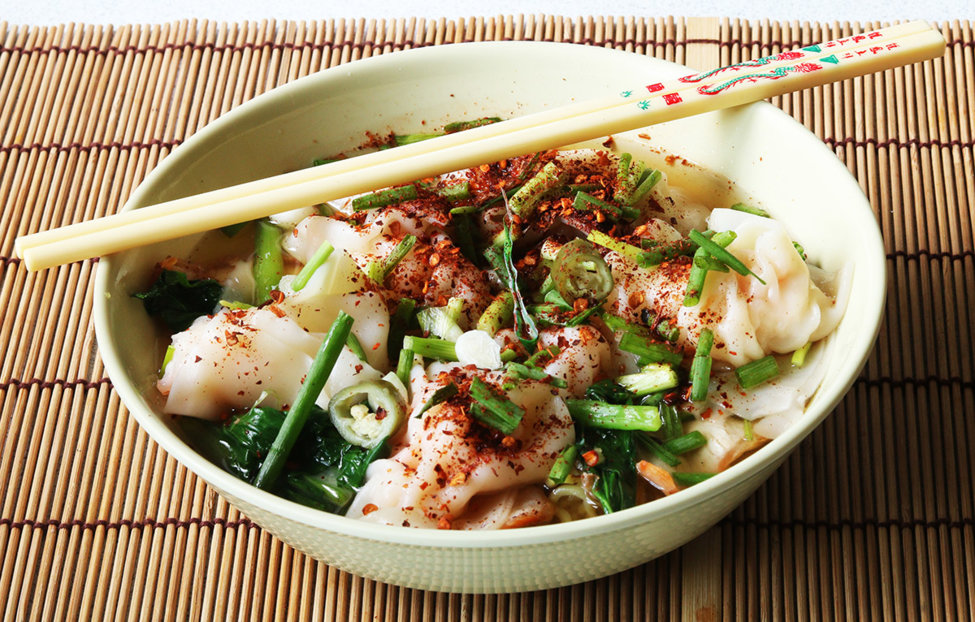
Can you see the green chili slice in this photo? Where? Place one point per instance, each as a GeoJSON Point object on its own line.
{"type": "Point", "coordinates": [366, 413]}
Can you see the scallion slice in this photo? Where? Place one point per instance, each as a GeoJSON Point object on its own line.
{"type": "Point", "coordinates": [748, 209]}
{"type": "Point", "coordinates": [719, 252]}
{"type": "Point", "coordinates": [384, 198]}
{"type": "Point", "coordinates": [658, 450]}
{"type": "Point", "coordinates": [652, 378]}
{"type": "Point", "coordinates": [701, 366]}
{"type": "Point", "coordinates": [499, 313]}
{"type": "Point", "coordinates": [615, 416]}
{"type": "Point", "coordinates": [320, 257]}
{"type": "Point", "coordinates": [493, 410]}
{"type": "Point", "coordinates": [652, 352]}
{"type": "Point", "coordinates": [524, 201]}
{"type": "Point", "coordinates": [757, 372]}
{"type": "Point", "coordinates": [378, 270]}
{"type": "Point", "coordinates": [633, 253]}
{"type": "Point", "coordinates": [563, 466]}
{"type": "Point", "coordinates": [403, 366]}
{"type": "Point", "coordinates": [799, 356]}
{"type": "Point", "coordinates": [294, 421]}
{"type": "Point", "coordinates": [431, 347]}
{"type": "Point", "coordinates": [686, 442]}
{"type": "Point", "coordinates": [442, 394]}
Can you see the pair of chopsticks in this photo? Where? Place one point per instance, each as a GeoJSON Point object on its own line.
{"type": "Point", "coordinates": [642, 106]}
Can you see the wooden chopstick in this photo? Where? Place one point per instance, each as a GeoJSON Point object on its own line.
{"type": "Point", "coordinates": [655, 103]}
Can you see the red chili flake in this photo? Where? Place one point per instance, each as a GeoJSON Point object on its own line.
{"type": "Point", "coordinates": [444, 522]}
{"type": "Point", "coordinates": [706, 414]}
{"type": "Point", "coordinates": [508, 442]}
{"type": "Point", "coordinates": [484, 168]}
{"type": "Point", "coordinates": [230, 337]}
{"type": "Point", "coordinates": [591, 457]}
{"type": "Point", "coordinates": [458, 479]}
{"type": "Point", "coordinates": [168, 263]}
{"type": "Point", "coordinates": [276, 310]}
{"type": "Point", "coordinates": [636, 298]}
{"type": "Point", "coordinates": [580, 304]}
{"type": "Point", "coordinates": [640, 230]}
{"type": "Point", "coordinates": [277, 296]}
{"type": "Point", "coordinates": [376, 346]}
{"type": "Point", "coordinates": [369, 508]}
{"type": "Point", "coordinates": [600, 217]}
{"type": "Point", "coordinates": [434, 259]}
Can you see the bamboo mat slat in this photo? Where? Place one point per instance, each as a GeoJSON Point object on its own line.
{"type": "Point", "coordinates": [873, 517]}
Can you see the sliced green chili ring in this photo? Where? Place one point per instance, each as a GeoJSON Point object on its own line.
{"type": "Point", "coordinates": [366, 413]}
{"type": "Point", "coordinates": [580, 272]}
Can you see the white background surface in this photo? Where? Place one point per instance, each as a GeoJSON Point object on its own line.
{"type": "Point", "coordinates": [46, 12]}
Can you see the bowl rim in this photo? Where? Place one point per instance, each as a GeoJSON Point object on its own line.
{"type": "Point", "coordinates": [770, 455]}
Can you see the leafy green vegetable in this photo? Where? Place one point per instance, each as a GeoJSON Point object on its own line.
{"type": "Point", "coordinates": [616, 484]}
{"type": "Point", "coordinates": [325, 469]}
{"type": "Point", "coordinates": [177, 300]}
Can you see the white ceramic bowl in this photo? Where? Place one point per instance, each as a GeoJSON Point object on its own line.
{"type": "Point", "coordinates": [773, 160]}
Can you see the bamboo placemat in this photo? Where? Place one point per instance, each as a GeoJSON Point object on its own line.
{"type": "Point", "coordinates": [872, 517]}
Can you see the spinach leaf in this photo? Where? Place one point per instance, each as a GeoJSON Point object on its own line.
{"type": "Point", "coordinates": [177, 301]}
{"type": "Point", "coordinates": [324, 470]}
{"type": "Point", "coordinates": [615, 486]}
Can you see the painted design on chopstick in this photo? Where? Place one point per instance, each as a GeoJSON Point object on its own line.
{"type": "Point", "coordinates": [748, 64]}
{"type": "Point", "coordinates": [775, 74]}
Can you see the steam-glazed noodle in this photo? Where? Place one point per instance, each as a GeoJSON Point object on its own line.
{"type": "Point", "coordinates": [512, 428]}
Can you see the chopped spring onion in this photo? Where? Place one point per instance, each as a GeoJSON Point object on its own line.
{"type": "Point", "coordinates": [670, 423]}
{"type": "Point", "coordinates": [460, 126]}
{"type": "Point", "coordinates": [170, 351]}
{"type": "Point", "coordinates": [653, 352]}
{"type": "Point", "coordinates": [268, 260]}
{"type": "Point", "coordinates": [633, 253]}
{"type": "Point", "coordinates": [441, 321]}
{"type": "Point", "coordinates": [800, 250]}
{"type": "Point", "coordinates": [408, 139]}
{"type": "Point", "coordinates": [235, 304]}
{"type": "Point", "coordinates": [700, 265]}
{"type": "Point", "coordinates": [550, 353]}
{"type": "Point", "coordinates": [442, 394]}
{"type": "Point", "coordinates": [686, 442]}
{"type": "Point", "coordinates": [294, 421]}
{"type": "Point", "coordinates": [431, 347]}
{"type": "Point", "coordinates": [580, 272]}
{"type": "Point", "coordinates": [321, 255]}
{"type": "Point", "coordinates": [404, 365]}
{"type": "Point", "coordinates": [748, 432]}
{"type": "Point", "coordinates": [499, 313]}
{"type": "Point", "coordinates": [384, 198]}
{"type": "Point", "coordinates": [658, 450]}
{"type": "Point", "coordinates": [720, 253]}
{"type": "Point", "coordinates": [352, 342]}
{"type": "Point", "coordinates": [648, 180]}
{"type": "Point", "coordinates": [524, 201]}
{"type": "Point", "coordinates": [628, 172]}
{"type": "Point", "coordinates": [615, 416]}
{"type": "Point", "coordinates": [651, 378]}
{"type": "Point", "coordinates": [585, 202]}
{"type": "Point", "coordinates": [232, 230]}
{"type": "Point", "coordinates": [689, 479]}
{"type": "Point", "coordinates": [563, 466]}
{"type": "Point", "coordinates": [663, 327]}
{"type": "Point", "coordinates": [519, 370]}
{"type": "Point", "coordinates": [378, 270]}
{"type": "Point", "coordinates": [452, 192]}
{"type": "Point", "coordinates": [399, 324]}
{"type": "Point", "coordinates": [799, 356]}
{"type": "Point", "coordinates": [757, 372]}
{"type": "Point", "coordinates": [741, 207]}
{"type": "Point", "coordinates": [701, 366]}
{"type": "Point", "coordinates": [493, 410]}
